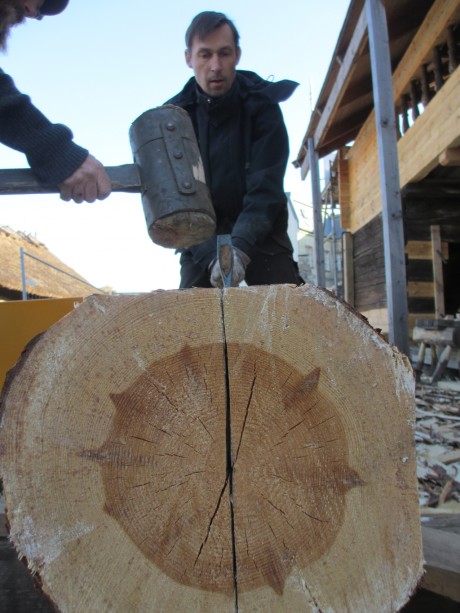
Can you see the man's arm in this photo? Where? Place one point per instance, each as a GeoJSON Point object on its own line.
{"type": "Point", "coordinates": [51, 153]}
{"type": "Point", "coordinates": [265, 201]}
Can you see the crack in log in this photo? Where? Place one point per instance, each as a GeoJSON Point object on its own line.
{"type": "Point", "coordinates": [279, 511]}
{"type": "Point", "coordinates": [156, 428]}
{"type": "Point", "coordinates": [248, 404]}
{"type": "Point", "coordinates": [204, 427]}
{"type": "Point", "coordinates": [230, 461]}
{"type": "Point", "coordinates": [162, 391]}
{"type": "Point", "coordinates": [322, 422]}
{"type": "Point", "coordinates": [165, 489]}
{"type": "Point", "coordinates": [212, 520]}
{"type": "Point", "coordinates": [322, 521]}
{"type": "Point", "coordinates": [145, 440]}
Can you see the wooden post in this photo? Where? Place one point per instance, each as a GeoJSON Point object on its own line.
{"type": "Point", "coordinates": [426, 94]}
{"type": "Point", "coordinates": [452, 49]}
{"type": "Point", "coordinates": [404, 114]}
{"type": "Point", "coordinates": [348, 270]}
{"type": "Point", "coordinates": [317, 219]}
{"type": "Point", "coordinates": [414, 98]}
{"type": "Point", "coordinates": [392, 216]}
{"type": "Point", "coordinates": [438, 278]}
{"type": "Point", "coordinates": [437, 67]}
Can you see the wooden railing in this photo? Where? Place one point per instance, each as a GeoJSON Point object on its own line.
{"type": "Point", "coordinates": [429, 78]}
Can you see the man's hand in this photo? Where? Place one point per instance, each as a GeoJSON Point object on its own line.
{"type": "Point", "coordinates": [88, 183]}
{"type": "Point", "coordinates": [240, 262]}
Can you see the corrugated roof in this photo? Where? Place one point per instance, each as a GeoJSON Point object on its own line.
{"type": "Point", "coordinates": [42, 281]}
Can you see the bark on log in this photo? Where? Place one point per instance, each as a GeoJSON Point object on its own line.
{"type": "Point", "coordinates": [206, 450]}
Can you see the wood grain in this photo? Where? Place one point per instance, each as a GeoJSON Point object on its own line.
{"type": "Point", "coordinates": [208, 450]}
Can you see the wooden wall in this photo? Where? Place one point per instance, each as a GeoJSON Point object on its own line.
{"type": "Point", "coordinates": [437, 129]}
{"type": "Point", "coordinates": [369, 267]}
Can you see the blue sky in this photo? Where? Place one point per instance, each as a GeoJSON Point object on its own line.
{"type": "Point", "coordinates": [101, 64]}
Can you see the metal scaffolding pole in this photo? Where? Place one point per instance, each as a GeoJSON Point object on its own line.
{"type": "Point", "coordinates": [317, 218]}
{"type": "Point", "coordinates": [393, 229]}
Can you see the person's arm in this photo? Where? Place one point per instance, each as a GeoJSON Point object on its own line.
{"type": "Point", "coordinates": [264, 200]}
{"type": "Point", "coordinates": [51, 153]}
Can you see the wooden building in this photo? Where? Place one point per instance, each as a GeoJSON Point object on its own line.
{"type": "Point", "coordinates": [424, 52]}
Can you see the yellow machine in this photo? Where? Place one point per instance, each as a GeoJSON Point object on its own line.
{"type": "Point", "coordinates": [22, 320]}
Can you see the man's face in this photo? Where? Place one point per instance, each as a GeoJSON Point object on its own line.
{"type": "Point", "coordinates": [214, 61]}
{"type": "Point", "coordinates": [14, 12]}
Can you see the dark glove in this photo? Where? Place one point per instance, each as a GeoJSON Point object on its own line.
{"type": "Point", "coordinates": [240, 262]}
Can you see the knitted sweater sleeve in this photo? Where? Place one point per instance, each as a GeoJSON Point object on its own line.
{"type": "Point", "coordinates": [49, 148]}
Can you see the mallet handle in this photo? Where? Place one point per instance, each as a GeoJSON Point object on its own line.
{"type": "Point", "coordinates": [124, 178]}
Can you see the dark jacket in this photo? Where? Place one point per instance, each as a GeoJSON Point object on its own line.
{"type": "Point", "coordinates": [244, 146]}
{"type": "Point", "coordinates": [50, 151]}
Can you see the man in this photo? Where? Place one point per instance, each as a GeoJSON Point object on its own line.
{"type": "Point", "coordinates": [53, 156]}
{"type": "Point", "coordinates": [244, 146]}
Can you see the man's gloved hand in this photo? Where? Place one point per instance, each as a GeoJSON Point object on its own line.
{"type": "Point", "coordinates": [240, 262]}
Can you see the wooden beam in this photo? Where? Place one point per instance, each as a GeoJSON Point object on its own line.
{"type": "Point", "coordinates": [442, 562]}
{"type": "Point", "coordinates": [392, 217]}
{"type": "Point", "coordinates": [431, 32]}
{"type": "Point", "coordinates": [317, 218]}
{"type": "Point", "coordinates": [429, 137]}
{"type": "Point", "coordinates": [438, 277]}
{"type": "Point", "coordinates": [450, 157]}
{"type": "Point", "coordinates": [421, 250]}
{"type": "Point", "coordinates": [343, 78]}
{"type": "Point", "coordinates": [420, 289]}
{"type": "Point", "coordinates": [344, 190]}
{"type": "Point", "coordinates": [348, 268]}
{"type": "Point", "coordinates": [304, 169]}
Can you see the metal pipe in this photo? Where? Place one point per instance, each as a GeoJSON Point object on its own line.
{"type": "Point", "coordinates": [23, 273]}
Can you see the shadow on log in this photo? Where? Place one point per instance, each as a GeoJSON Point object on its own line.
{"type": "Point", "coordinates": [245, 449]}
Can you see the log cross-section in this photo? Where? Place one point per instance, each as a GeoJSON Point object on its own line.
{"type": "Point", "coordinates": [214, 450]}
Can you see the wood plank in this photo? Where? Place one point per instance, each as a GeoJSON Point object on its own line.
{"type": "Point", "coordinates": [378, 318]}
{"type": "Point", "coordinates": [444, 336]}
{"type": "Point", "coordinates": [421, 250]}
{"type": "Point", "coordinates": [305, 167]}
{"type": "Point", "coordinates": [450, 157]}
{"type": "Point", "coordinates": [441, 551]}
{"type": "Point", "coordinates": [418, 150]}
{"type": "Point", "coordinates": [348, 269]}
{"type": "Point", "coordinates": [355, 47]}
{"type": "Point", "coordinates": [344, 190]}
{"type": "Point", "coordinates": [438, 276]}
{"type": "Point", "coordinates": [417, 289]}
{"type": "Point", "coordinates": [432, 31]}
{"type": "Point", "coordinates": [436, 130]}
{"type": "Point", "coordinates": [413, 317]}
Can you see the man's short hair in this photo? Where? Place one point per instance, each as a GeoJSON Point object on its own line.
{"type": "Point", "coordinates": [206, 22]}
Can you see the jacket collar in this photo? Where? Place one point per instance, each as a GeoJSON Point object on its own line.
{"type": "Point", "coordinates": [246, 84]}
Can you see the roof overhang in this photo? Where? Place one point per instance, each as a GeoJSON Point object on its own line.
{"type": "Point", "coordinates": [346, 97]}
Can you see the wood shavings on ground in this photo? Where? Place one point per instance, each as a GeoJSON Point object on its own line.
{"type": "Point", "coordinates": [437, 438]}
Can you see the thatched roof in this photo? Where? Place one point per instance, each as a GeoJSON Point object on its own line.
{"type": "Point", "coordinates": [41, 281]}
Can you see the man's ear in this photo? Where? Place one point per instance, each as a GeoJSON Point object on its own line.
{"type": "Point", "coordinates": [188, 58]}
{"type": "Point", "coordinates": [238, 55]}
